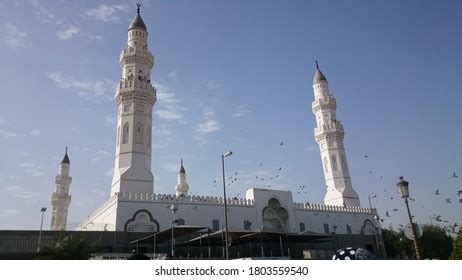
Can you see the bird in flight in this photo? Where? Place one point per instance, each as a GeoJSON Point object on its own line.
{"type": "Point", "coordinates": [448, 200]}
{"type": "Point", "coordinates": [366, 156]}
{"type": "Point", "coordinates": [395, 209]}
{"type": "Point", "coordinates": [437, 192]}
{"type": "Point", "coordinates": [459, 192]}
{"type": "Point", "coordinates": [282, 143]}
{"type": "Point", "coordinates": [386, 214]}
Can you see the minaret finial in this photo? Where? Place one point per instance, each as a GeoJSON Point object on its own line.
{"type": "Point", "coordinates": [139, 5]}
{"type": "Point", "coordinates": [317, 64]}
{"type": "Point", "coordinates": [181, 160]}
{"type": "Point", "coordinates": [66, 150]}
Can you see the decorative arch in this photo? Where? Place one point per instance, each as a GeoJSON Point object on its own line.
{"type": "Point", "coordinates": [275, 217]}
{"type": "Point", "coordinates": [247, 224]}
{"type": "Point", "coordinates": [302, 227]}
{"type": "Point", "coordinates": [126, 133]}
{"type": "Point", "coordinates": [348, 228]}
{"type": "Point", "coordinates": [334, 163]}
{"type": "Point", "coordinates": [326, 228]}
{"type": "Point", "coordinates": [141, 221]}
{"type": "Point", "coordinates": [180, 222]}
{"type": "Point", "coordinates": [118, 135]}
{"type": "Point", "coordinates": [368, 227]}
{"type": "Point", "coordinates": [149, 136]}
{"type": "Point", "coordinates": [139, 133]}
{"type": "Point", "coordinates": [215, 225]}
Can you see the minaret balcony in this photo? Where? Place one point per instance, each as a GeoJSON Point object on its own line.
{"type": "Point", "coordinates": [326, 103]}
{"type": "Point", "coordinates": [132, 55]}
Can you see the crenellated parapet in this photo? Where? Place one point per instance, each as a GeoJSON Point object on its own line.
{"type": "Point", "coordinates": [169, 198]}
{"type": "Point", "coordinates": [326, 102]}
{"type": "Point", "coordinates": [136, 55]}
{"type": "Point", "coordinates": [330, 129]}
{"type": "Point", "coordinates": [332, 208]}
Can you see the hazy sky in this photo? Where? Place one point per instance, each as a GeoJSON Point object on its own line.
{"type": "Point", "coordinates": [234, 75]}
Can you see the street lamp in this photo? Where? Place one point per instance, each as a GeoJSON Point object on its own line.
{"type": "Point", "coordinates": [174, 208]}
{"type": "Point", "coordinates": [373, 220]}
{"type": "Point", "coordinates": [404, 190]}
{"type": "Point", "coordinates": [41, 226]}
{"type": "Point", "coordinates": [226, 154]}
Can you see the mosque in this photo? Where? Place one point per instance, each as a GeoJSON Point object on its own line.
{"type": "Point", "coordinates": [134, 206]}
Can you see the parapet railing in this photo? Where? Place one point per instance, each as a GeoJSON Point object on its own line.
{"type": "Point", "coordinates": [194, 199]}
{"type": "Point", "coordinates": [330, 208]}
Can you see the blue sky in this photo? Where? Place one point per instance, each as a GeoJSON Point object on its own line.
{"type": "Point", "coordinates": [234, 75]}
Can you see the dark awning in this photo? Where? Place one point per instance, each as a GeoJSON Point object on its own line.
{"type": "Point", "coordinates": [166, 234]}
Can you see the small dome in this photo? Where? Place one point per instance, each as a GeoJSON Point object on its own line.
{"type": "Point", "coordinates": [137, 22]}
{"type": "Point", "coordinates": [66, 158]}
{"type": "Point", "coordinates": [318, 75]}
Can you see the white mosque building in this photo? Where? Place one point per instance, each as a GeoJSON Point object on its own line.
{"type": "Point", "coordinates": [134, 206]}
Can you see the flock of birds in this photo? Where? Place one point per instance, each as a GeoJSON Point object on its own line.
{"type": "Point", "coordinates": [269, 181]}
{"type": "Point", "coordinates": [434, 217]}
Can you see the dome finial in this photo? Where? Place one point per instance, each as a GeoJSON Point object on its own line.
{"type": "Point", "coordinates": [66, 158]}
{"type": "Point", "coordinates": [317, 64]}
{"type": "Point", "coordinates": [182, 167]}
{"type": "Point", "coordinates": [138, 5]}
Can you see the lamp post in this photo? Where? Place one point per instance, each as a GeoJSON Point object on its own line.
{"type": "Point", "coordinates": [41, 226]}
{"type": "Point", "coordinates": [373, 220]}
{"type": "Point", "coordinates": [226, 154]}
{"type": "Point", "coordinates": [404, 190]}
{"type": "Point", "coordinates": [174, 208]}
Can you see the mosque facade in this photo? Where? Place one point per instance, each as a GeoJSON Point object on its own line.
{"type": "Point", "coordinates": [134, 206]}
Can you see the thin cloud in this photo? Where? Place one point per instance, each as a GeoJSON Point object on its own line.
{"type": "Point", "coordinates": [30, 164]}
{"type": "Point", "coordinates": [4, 213]}
{"type": "Point", "coordinates": [35, 132]}
{"type": "Point", "coordinates": [170, 107]}
{"type": "Point", "coordinates": [213, 85]}
{"type": "Point", "coordinates": [19, 192]}
{"type": "Point", "coordinates": [14, 38]}
{"type": "Point", "coordinates": [241, 111]}
{"type": "Point", "coordinates": [8, 134]}
{"type": "Point", "coordinates": [208, 124]}
{"type": "Point", "coordinates": [99, 90]}
{"type": "Point", "coordinates": [171, 167]}
{"type": "Point", "coordinates": [68, 33]}
{"type": "Point", "coordinates": [43, 14]}
{"type": "Point", "coordinates": [107, 13]}
{"type": "Point", "coordinates": [172, 74]}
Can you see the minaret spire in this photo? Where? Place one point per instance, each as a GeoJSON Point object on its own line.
{"type": "Point", "coordinates": [182, 186]}
{"type": "Point", "coordinates": [138, 5]}
{"type": "Point", "coordinates": [329, 135]}
{"type": "Point", "coordinates": [61, 199]}
{"type": "Point", "coordinates": [135, 99]}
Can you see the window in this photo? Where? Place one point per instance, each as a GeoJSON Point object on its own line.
{"type": "Point", "coordinates": [334, 163]}
{"type": "Point", "coordinates": [125, 137]}
{"type": "Point", "coordinates": [127, 107]}
{"type": "Point", "coordinates": [149, 137]}
{"type": "Point", "coordinates": [247, 224]}
{"type": "Point", "coordinates": [180, 222]}
{"type": "Point", "coordinates": [302, 227]}
{"type": "Point", "coordinates": [326, 165]}
{"type": "Point", "coordinates": [139, 134]}
{"type": "Point", "coordinates": [215, 225]}
{"type": "Point", "coordinates": [348, 228]}
{"type": "Point", "coordinates": [326, 228]}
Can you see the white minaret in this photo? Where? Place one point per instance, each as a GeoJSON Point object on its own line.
{"type": "Point", "coordinates": [135, 97]}
{"type": "Point", "coordinates": [61, 199]}
{"type": "Point", "coordinates": [182, 186]}
{"type": "Point", "coordinates": [329, 135]}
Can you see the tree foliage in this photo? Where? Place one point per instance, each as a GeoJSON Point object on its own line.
{"type": "Point", "coordinates": [457, 247]}
{"type": "Point", "coordinates": [434, 243]}
{"type": "Point", "coordinates": [68, 248]}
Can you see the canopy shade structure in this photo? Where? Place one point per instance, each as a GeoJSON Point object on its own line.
{"type": "Point", "coordinates": [166, 234]}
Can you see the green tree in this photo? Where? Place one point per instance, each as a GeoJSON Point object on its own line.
{"type": "Point", "coordinates": [68, 248]}
{"type": "Point", "coordinates": [435, 243]}
{"type": "Point", "coordinates": [457, 246]}
{"type": "Point", "coordinates": [396, 244]}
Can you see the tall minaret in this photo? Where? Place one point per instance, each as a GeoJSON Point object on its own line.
{"type": "Point", "coordinates": [135, 97]}
{"type": "Point", "coordinates": [61, 199]}
{"type": "Point", "coordinates": [181, 187]}
{"type": "Point", "coordinates": [329, 135]}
